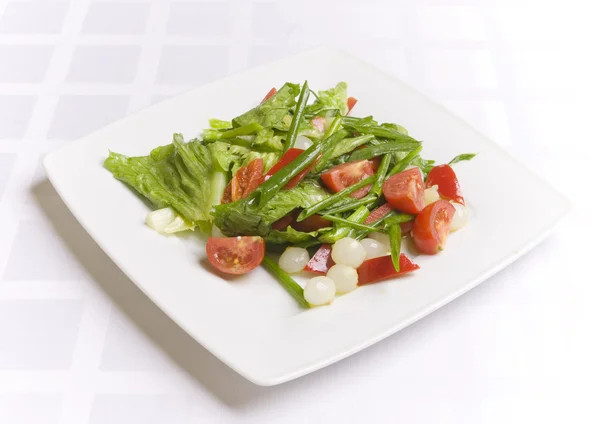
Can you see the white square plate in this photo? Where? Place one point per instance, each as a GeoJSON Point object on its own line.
{"type": "Point", "coordinates": [251, 323]}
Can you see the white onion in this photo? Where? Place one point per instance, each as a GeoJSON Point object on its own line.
{"type": "Point", "coordinates": [461, 216]}
{"type": "Point", "coordinates": [319, 291]}
{"type": "Point", "coordinates": [302, 142]}
{"type": "Point", "coordinates": [166, 221]}
{"type": "Point", "coordinates": [381, 238]}
{"type": "Point", "coordinates": [373, 248]}
{"type": "Point", "coordinates": [294, 259]}
{"type": "Point", "coordinates": [348, 251]}
{"type": "Point", "coordinates": [431, 195]}
{"type": "Point", "coordinates": [344, 277]}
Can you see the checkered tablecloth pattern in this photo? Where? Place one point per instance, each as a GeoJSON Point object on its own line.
{"type": "Point", "coordinates": [80, 344]}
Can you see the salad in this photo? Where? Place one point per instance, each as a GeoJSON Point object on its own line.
{"type": "Point", "coordinates": [298, 172]}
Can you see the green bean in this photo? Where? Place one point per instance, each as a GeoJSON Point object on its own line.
{"type": "Point", "coordinates": [395, 240]}
{"type": "Point", "coordinates": [352, 204]}
{"type": "Point", "coordinates": [297, 119]}
{"type": "Point", "coordinates": [381, 149]}
{"type": "Point", "coordinates": [398, 218]}
{"type": "Point", "coordinates": [271, 187]}
{"type": "Point", "coordinates": [335, 125]}
{"type": "Point", "coordinates": [359, 235]}
{"type": "Point", "coordinates": [348, 223]}
{"type": "Point", "coordinates": [332, 199]}
{"type": "Point", "coordinates": [379, 131]}
{"type": "Point", "coordinates": [342, 231]}
{"type": "Point", "coordinates": [286, 281]}
{"type": "Point", "coordinates": [341, 148]}
{"type": "Point", "coordinates": [381, 173]}
{"type": "Point", "coordinates": [243, 130]}
{"type": "Point", "coordinates": [401, 165]}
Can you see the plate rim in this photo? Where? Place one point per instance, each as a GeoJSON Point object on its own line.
{"type": "Point", "coordinates": [262, 380]}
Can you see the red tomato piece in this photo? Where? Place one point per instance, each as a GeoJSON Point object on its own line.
{"type": "Point", "coordinates": [406, 227]}
{"type": "Point", "coordinates": [404, 191]}
{"type": "Point", "coordinates": [378, 213]}
{"type": "Point", "coordinates": [321, 260]}
{"type": "Point", "coordinates": [270, 94]}
{"type": "Point", "coordinates": [235, 255]}
{"type": "Point", "coordinates": [351, 102]}
{"type": "Point", "coordinates": [227, 194]}
{"type": "Point", "coordinates": [289, 156]}
{"type": "Point", "coordinates": [246, 179]}
{"type": "Point", "coordinates": [312, 223]}
{"type": "Point", "coordinates": [444, 177]}
{"type": "Point", "coordinates": [432, 226]}
{"type": "Point", "coordinates": [282, 223]}
{"type": "Point", "coordinates": [346, 174]}
{"type": "Point", "coordinates": [318, 122]}
{"type": "Point", "coordinates": [377, 269]}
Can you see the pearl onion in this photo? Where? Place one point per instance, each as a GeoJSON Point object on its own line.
{"type": "Point", "coordinates": [431, 195]}
{"type": "Point", "coordinates": [348, 251]}
{"type": "Point", "coordinates": [294, 259]}
{"type": "Point", "coordinates": [302, 142]}
{"type": "Point", "coordinates": [344, 277]}
{"type": "Point", "coordinates": [319, 291]}
{"type": "Point", "coordinates": [381, 238]}
{"type": "Point", "coordinates": [461, 216]}
{"type": "Point", "coordinates": [373, 248]}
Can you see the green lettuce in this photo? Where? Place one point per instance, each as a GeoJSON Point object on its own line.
{"type": "Point", "coordinates": [334, 98]}
{"type": "Point", "coordinates": [175, 175]}
{"type": "Point", "coordinates": [273, 113]}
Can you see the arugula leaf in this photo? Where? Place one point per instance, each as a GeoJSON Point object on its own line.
{"type": "Point", "coordinates": [460, 158]}
{"type": "Point", "coordinates": [273, 113]}
{"type": "Point", "coordinates": [245, 217]}
{"type": "Point", "coordinates": [426, 165]}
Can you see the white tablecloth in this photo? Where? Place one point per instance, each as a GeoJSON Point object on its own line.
{"type": "Point", "coordinates": [80, 344]}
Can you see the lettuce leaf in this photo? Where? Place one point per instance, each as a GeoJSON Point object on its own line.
{"type": "Point", "coordinates": [334, 98]}
{"type": "Point", "coordinates": [175, 175]}
{"type": "Point", "coordinates": [273, 113]}
{"type": "Point", "coordinates": [244, 217]}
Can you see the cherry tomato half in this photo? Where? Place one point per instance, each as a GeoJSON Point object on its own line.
{"type": "Point", "coordinates": [432, 226]}
{"type": "Point", "coordinates": [289, 156]}
{"type": "Point", "coordinates": [404, 191]}
{"type": "Point", "coordinates": [246, 179]}
{"type": "Point", "coordinates": [377, 269]}
{"type": "Point", "coordinates": [444, 177]}
{"type": "Point", "coordinates": [346, 174]}
{"type": "Point", "coordinates": [270, 94]}
{"type": "Point", "coordinates": [321, 260]}
{"type": "Point", "coordinates": [235, 255]}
